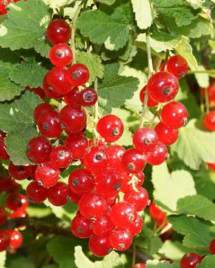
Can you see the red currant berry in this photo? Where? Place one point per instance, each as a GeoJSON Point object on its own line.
{"type": "Point", "coordinates": [92, 205]}
{"type": "Point", "coordinates": [38, 149]}
{"type": "Point", "coordinates": [150, 101]}
{"type": "Point", "coordinates": [21, 172]}
{"type": "Point", "coordinates": [190, 260]}
{"type": "Point", "coordinates": [16, 201]}
{"type": "Point", "coordinates": [46, 175]}
{"type": "Point", "coordinates": [3, 9]}
{"type": "Point", "coordinates": [78, 75]}
{"type": "Point", "coordinates": [136, 227]}
{"type": "Point", "coordinates": [162, 86]}
{"type": "Point", "coordinates": [41, 110]}
{"type": "Point", "coordinates": [99, 245]}
{"type": "Point", "coordinates": [81, 227]}
{"type": "Point", "coordinates": [38, 91]}
{"type": "Point", "coordinates": [209, 121]}
{"type": "Point", "coordinates": [74, 197]}
{"type": "Point", "coordinates": [158, 155]}
{"type": "Point", "coordinates": [16, 239]}
{"type": "Point", "coordinates": [114, 154]}
{"type": "Point", "coordinates": [145, 139]}
{"type": "Point", "coordinates": [120, 239]}
{"type": "Point", "coordinates": [60, 157]}
{"type": "Point", "coordinates": [57, 195]}
{"type": "Point", "coordinates": [133, 161]}
{"type": "Point", "coordinates": [88, 97]}
{"type": "Point", "coordinates": [73, 98]}
{"type": "Point", "coordinates": [4, 240]}
{"type": "Point", "coordinates": [123, 214]}
{"type": "Point", "coordinates": [3, 216]}
{"type": "Point", "coordinates": [166, 134]}
{"type": "Point", "coordinates": [49, 89]}
{"type": "Point", "coordinates": [36, 193]}
{"type": "Point", "coordinates": [110, 127]}
{"type": "Point", "coordinates": [61, 55]}
{"type": "Point", "coordinates": [139, 198]}
{"type": "Point", "coordinates": [74, 120]}
{"type": "Point", "coordinates": [77, 144]}
{"type": "Point", "coordinates": [174, 115]}
{"type": "Point", "coordinates": [177, 65]}
{"type": "Point", "coordinates": [3, 153]}
{"type": "Point", "coordinates": [8, 185]}
{"type": "Point", "coordinates": [211, 166]}
{"type": "Point", "coordinates": [58, 31]}
{"type": "Point", "coordinates": [102, 225]}
{"type": "Point", "coordinates": [81, 181]}
{"type": "Point", "coordinates": [139, 265]}
{"type": "Point", "coordinates": [212, 247]}
{"type": "Point", "coordinates": [157, 214]}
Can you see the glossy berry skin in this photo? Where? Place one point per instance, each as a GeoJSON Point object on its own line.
{"type": "Point", "coordinates": [157, 214]}
{"type": "Point", "coordinates": [58, 31]}
{"type": "Point", "coordinates": [46, 176]}
{"type": "Point", "coordinates": [145, 139]}
{"type": "Point", "coordinates": [139, 198]}
{"type": "Point", "coordinates": [73, 98]}
{"type": "Point", "coordinates": [58, 81]}
{"type": "Point", "coordinates": [81, 227]}
{"type": "Point", "coordinates": [41, 110]}
{"type": "Point", "coordinates": [120, 239]}
{"type": "Point", "coordinates": [4, 240]}
{"type": "Point", "coordinates": [3, 216]}
{"type": "Point", "coordinates": [74, 120]}
{"type": "Point", "coordinates": [102, 225]}
{"type": "Point", "coordinates": [3, 153]}
{"type": "Point", "coordinates": [49, 125]}
{"type": "Point", "coordinates": [8, 185]}
{"type": "Point", "coordinates": [114, 155]}
{"type": "Point", "coordinates": [49, 89]}
{"type": "Point", "coordinates": [57, 195]}
{"type": "Point", "coordinates": [81, 181]}
{"type": "Point", "coordinates": [36, 193]}
{"type": "Point", "coordinates": [212, 247]}
{"type": "Point", "coordinates": [60, 157]}
{"type": "Point", "coordinates": [122, 214]}
{"type": "Point", "coordinates": [77, 144]}
{"type": "Point", "coordinates": [88, 97]}
{"type": "Point", "coordinates": [136, 227]}
{"type": "Point", "coordinates": [78, 75]}
{"type": "Point", "coordinates": [16, 239]}
{"type": "Point", "coordinates": [166, 134]}
{"type": "Point", "coordinates": [174, 115]}
{"type": "Point", "coordinates": [162, 86]}
{"type": "Point", "coordinates": [17, 201]}
{"type": "Point", "coordinates": [190, 260]}
{"type": "Point", "coordinates": [38, 149]}
{"type": "Point", "coordinates": [20, 172]}
{"type": "Point", "coordinates": [133, 161]}
{"type": "Point", "coordinates": [157, 155]}
{"type": "Point", "coordinates": [150, 101]}
{"type": "Point", "coordinates": [209, 121]}
{"type": "Point", "coordinates": [110, 127]}
{"type": "Point", "coordinates": [99, 245]}
{"type": "Point", "coordinates": [92, 205]}
{"type": "Point", "coordinates": [61, 55]}
{"type": "Point", "coordinates": [177, 65]}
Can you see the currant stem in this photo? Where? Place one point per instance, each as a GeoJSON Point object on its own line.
{"type": "Point", "coordinates": [207, 103]}
{"type": "Point", "coordinates": [77, 12]}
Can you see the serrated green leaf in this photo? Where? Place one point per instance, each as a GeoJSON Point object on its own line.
{"type": "Point", "coordinates": [198, 206]}
{"type": "Point", "coordinates": [181, 181]}
{"type": "Point", "coordinates": [16, 120]}
{"type": "Point", "coordinates": [24, 26]}
{"type": "Point", "coordinates": [143, 13]}
{"type": "Point", "coordinates": [195, 146]}
{"type": "Point", "coordinates": [173, 250]}
{"type": "Point", "coordinates": [161, 264]}
{"type": "Point", "coordinates": [207, 262]}
{"type": "Point", "coordinates": [93, 62]}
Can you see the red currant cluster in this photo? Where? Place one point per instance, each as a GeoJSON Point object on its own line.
{"type": "Point", "coordinates": [4, 4]}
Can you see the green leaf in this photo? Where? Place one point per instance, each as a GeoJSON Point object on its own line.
{"type": "Point", "coordinates": [116, 34]}
{"type": "Point", "coordinates": [195, 146]}
{"type": "Point", "coordinates": [19, 261]}
{"type": "Point", "coordinates": [207, 262]}
{"type": "Point", "coordinates": [68, 211]}
{"type": "Point", "coordinates": [24, 26]}
{"type": "Point", "coordinates": [143, 13]}
{"type": "Point", "coordinates": [198, 206]}
{"type": "Point", "coordinates": [106, 2]}
{"type": "Point", "coordinates": [94, 64]}
{"type": "Point", "coordinates": [181, 181]}
{"type": "Point", "coordinates": [158, 264]}
{"type": "Point", "coordinates": [16, 119]}
{"type": "Point", "coordinates": [112, 260]}
{"type": "Point", "coordinates": [173, 250]}
{"type": "Point", "coordinates": [56, 4]}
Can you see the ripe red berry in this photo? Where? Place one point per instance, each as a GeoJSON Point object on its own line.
{"type": "Point", "coordinates": [60, 55]}
{"type": "Point", "coordinates": [38, 91]}
{"type": "Point", "coordinates": [73, 98]}
{"type": "Point", "coordinates": [3, 216]}
{"type": "Point", "coordinates": [102, 225]}
{"type": "Point", "coordinates": [49, 89]}
{"type": "Point", "coordinates": [190, 260]}
{"type": "Point", "coordinates": [133, 161]}
{"type": "Point", "coordinates": [74, 120]}
{"type": "Point", "coordinates": [177, 65]}
{"type": "Point", "coordinates": [81, 227]}
{"type": "Point", "coordinates": [78, 75]}
{"type": "Point", "coordinates": [174, 115]}
{"type": "Point", "coordinates": [16, 239]}
{"type": "Point", "coordinates": [88, 97]}
{"type": "Point", "coordinates": [60, 157]}
{"type": "Point", "coordinates": [209, 121]}
{"type": "Point", "coordinates": [120, 239]}
{"type": "Point", "coordinates": [212, 247]}
{"type": "Point", "coordinates": [3, 153]}
{"type": "Point", "coordinates": [114, 155]}
{"type": "Point", "coordinates": [77, 144]}
{"type": "Point", "coordinates": [158, 154]}
{"type": "Point", "coordinates": [4, 240]}
{"type": "Point", "coordinates": [150, 101]}
{"type": "Point", "coordinates": [139, 265]}
{"type": "Point", "coordinates": [162, 86]}
{"type": "Point", "coordinates": [36, 193]}
{"type": "Point", "coordinates": [58, 31]}
{"type": "Point", "coordinates": [17, 201]}
{"type": "Point", "coordinates": [41, 110]}
{"type": "Point", "coordinates": [21, 172]}
{"type": "Point", "coordinates": [145, 139]}
{"type": "Point", "coordinates": [92, 205]}
{"type": "Point", "coordinates": [166, 134]}
{"type": "Point", "coordinates": [38, 149]}
{"type": "Point", "coordinates": [136, 227]}
{"type": "Point", "coordinates": [139, 198]}
{"type": "Point", "coordinates": [123, 214]}
{"type": "Point", "coordinates": [46, 176]}
{"type": "Point", "coordinates": [57, 195]}
{"type": "Point", "coordinates": [110, 127]}
{"type": "Point", "coordinates": [8, 185]}
{"type": "Point", "coordinates": [99, 245]}
{"type": "Point", "coordinates": [157, 214]}
{"type": "Point", "coordinates": [211, 166]}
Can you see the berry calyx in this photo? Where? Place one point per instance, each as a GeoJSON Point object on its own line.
{"type": "Point", "coordinates": [88, 97]}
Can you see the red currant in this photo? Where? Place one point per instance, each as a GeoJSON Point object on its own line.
{"type": "Point", "coordinates": [77, 144]}
{"type": "Point", "coordinates": [88, 97]}
{"type": "Point", "coordinates": [73, 98]}
{"type": "Point", "coordinates": [145, 139]}
{"type": "Point", "coordinates": [36, 193]}
{"type": "Point", "coordinates": [211, 166]}
{"type": "Point", "coordinates": [21, 172]}
{"type": "Point", "coordinates": [16, 239]}
{"type": "Point", "coordinates": [177, 65]}
{"type": "Point", "coordinates": [57, 195]}
{"type": "Point", "coordinates": [190, 260]}
{"type": "Point", "coordinates": [16, 201]}
{"type": "Point", "coordinates": [58, 31]}
{"type": "Point", "coordinates": [133, 161]}
{"type": "Point", "coordinates": [150, 101]}
{"type": "Point", "coordinates": [157, 214]}
{"type": "Point", "coordinates": [139, 198]}
{"type": "Point", "coordinates": [158, 154]}
{"type": "Point", "coordinates": [120, 239]}
{"type": "Point", "coordinates": [8, 185]}
{"type": "Point", "coordinates": [99, 245]}
{"type": "Point", "coordinates": [41, 110]}
{"type": "Point", "coordinates": [39, 92]}
{"type": "Point", "coordinates": [209, 121]}
{"type": "Point", "coordinates": [136, 227]}
{"type": "Point", "coordinates": [102, 225]}
{"type": "Point", "coordinates": [49, 89]}
{"type": "Point", "coordinates": [166, 134]}
{"type": "Point", "coordinates": [60, 157]}
{"type": "Point", "coordinates": [78, 75]}
{"type": "Point", "coordinates": [81, 227]}
{"type": "Point", "coordinates": [114, 155]}
{"type": "Point", "coordinates": [61, 55]}
{"type": "Point", "coordinates": [46, 176]}
{"type": "Point", "coordinates": [139, 265]}
{"type": "Point", "coordinates": [212, 247]}
{"type": "Point", "coordinates": [4, 240]}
